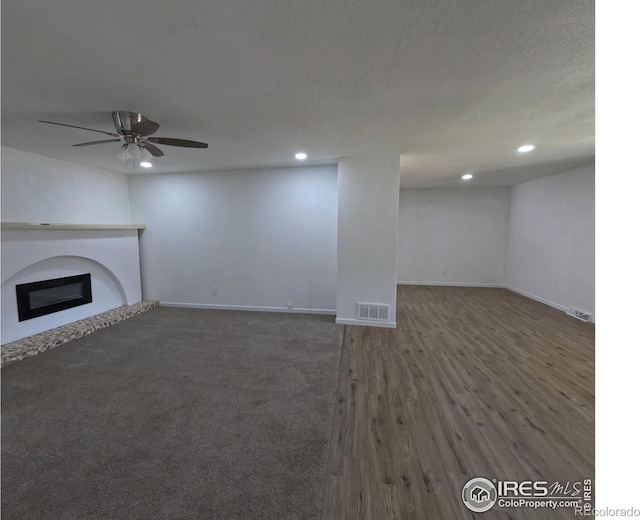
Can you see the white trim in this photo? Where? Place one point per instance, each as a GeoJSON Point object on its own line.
{"type": "Point", "coordinates": [537, 298]}
{"type": "Point", "coordinates": [361, 323]}
{"type": "Point", "coordinates": [454, 284]}
{"type": "Point", "coordinates": [367, 323]}
{"type": "Point", "coordinates": [245, 308]}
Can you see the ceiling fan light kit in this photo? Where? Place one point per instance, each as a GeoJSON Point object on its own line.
{"type": "Point", "coordinates": [133, 151]}
{"type": "Point", "coordinates": [133, 131]}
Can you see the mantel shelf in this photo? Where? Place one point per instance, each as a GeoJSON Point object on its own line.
{"type": "Point", "coordinates": [51, 225]}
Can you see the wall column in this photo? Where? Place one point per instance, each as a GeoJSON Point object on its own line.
{"type": "Point", "coordinates": [368, 192]}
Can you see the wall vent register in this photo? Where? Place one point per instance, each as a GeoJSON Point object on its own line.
{"type": "Point", "coordinates": [373, 311]}
{"type": "Point", "coordinates": [48, 296]}
{"type": "Point", "coordinates": [580, 314]}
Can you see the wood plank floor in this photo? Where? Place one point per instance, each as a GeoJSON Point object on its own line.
{"type": "Point", "coordinates": [473, 382]}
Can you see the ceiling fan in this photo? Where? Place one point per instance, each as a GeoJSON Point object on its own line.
{"type": "Point", "coordinates": [133, 130]}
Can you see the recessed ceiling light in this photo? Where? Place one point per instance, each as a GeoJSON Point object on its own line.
{"type": "Point", "coordinates": [146, 164]}
{"type": "Point", "coordinates": [526, 148]}
{"type": "Point", "coordinates": [301, 156]}
{"type": "Point", "coordinates": [467, 176]}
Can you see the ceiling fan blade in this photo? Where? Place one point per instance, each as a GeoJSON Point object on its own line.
{"type": "Point", "coordinates": [178, 142]}
{"type": "Point", "coordinates": [98, 142]}
{"type": "Point", "coordinates": [80, 127]}
{"type": "Point", "coordinates": [153, 150]}
{"type": "Point", "coordinates": [145, 127]}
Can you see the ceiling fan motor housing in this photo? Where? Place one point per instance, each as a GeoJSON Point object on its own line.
{"type": "Point", "coordinates": [125, 121]}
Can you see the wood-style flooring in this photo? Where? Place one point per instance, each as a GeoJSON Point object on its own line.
{"type": "Point", "coordinates": [473, 382]}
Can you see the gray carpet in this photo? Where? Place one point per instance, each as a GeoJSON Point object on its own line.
{"type": "Point", "coordinates": [176, 413]}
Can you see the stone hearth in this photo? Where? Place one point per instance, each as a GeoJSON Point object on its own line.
{"type": "Point", "coordinates": [32, 345]}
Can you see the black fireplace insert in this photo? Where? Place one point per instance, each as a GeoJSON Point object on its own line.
{"type": "Point", "coordinates": [40, 298]}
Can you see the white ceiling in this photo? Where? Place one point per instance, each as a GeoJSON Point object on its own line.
{"type": "Point", "coordinates": [452, 85]}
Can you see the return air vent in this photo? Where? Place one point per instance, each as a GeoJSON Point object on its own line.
{"type": "Point", "coordinates": [373, 311]}
{"type": "Point", "coordinates": [581, 315]}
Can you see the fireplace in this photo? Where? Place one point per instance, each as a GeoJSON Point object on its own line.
{"type": "Point", "coordinates": [40, 298]}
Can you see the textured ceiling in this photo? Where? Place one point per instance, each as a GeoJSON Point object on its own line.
{"type": "Point", "coordinates": [452, 85]}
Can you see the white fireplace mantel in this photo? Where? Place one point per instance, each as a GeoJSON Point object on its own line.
{"type": "Point", "coordinates": [53, 226]}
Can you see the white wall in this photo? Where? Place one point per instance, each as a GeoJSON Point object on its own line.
{"type": "Point", "coordinates": [453, 236]}
{"type": "Point", "coordinates": [263, 238]}
{"type": "Point", "coordinates": [551, 239]}
{"type": "Point", "coordinates": [368, 189]}
{"type": "Point", "coordinates": [42, 189]}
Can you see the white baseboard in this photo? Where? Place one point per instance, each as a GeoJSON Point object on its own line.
{"type": "Point", "coordinates": [453, 284]}
{"type": "Point", "coordinates": [214, 306]}
{"type": "Point", "coordinates": [367, 323]}
{"type": "Point", "coordinates": [361, 323]}
{"type": "Point", "coordinates": [555, 305]}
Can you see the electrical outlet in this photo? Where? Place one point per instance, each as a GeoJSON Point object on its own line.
{"type": "Point", "coordinates": [290, 305]}
{"type": "Point", "coordinates": [214, 290]}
